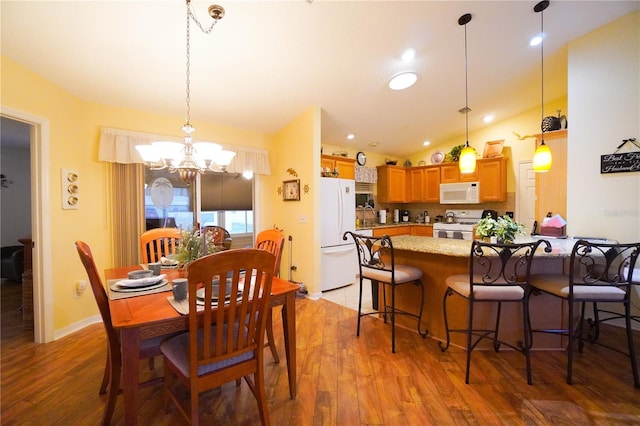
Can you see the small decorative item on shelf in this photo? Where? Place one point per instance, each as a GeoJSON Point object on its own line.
{"type": "Point", "coordinates": [193, 246]}
{"type": "Point", "coordinates": [504, 229]}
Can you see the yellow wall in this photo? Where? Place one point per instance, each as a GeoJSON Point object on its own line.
{"type": "Point", "coordinates": [525, 124]}
{"type": "Point", "coordinates": [74, 135]}
{"type": "Point", "coordinates": [297, 147]}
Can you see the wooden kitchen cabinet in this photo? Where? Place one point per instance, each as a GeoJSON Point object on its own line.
{"type": "Point", "coordinates": [422, 230]}
{"type": "Point", "coordinates": [391, 184]}
{"type": "Point", "coordinates": [551, 186]}
{"type": "Point", "coordinates": [392, 231]}
{"type": "Point", "coordinates": [492, 175]}
{"type": "Point", "coordinates": [423, 184]}
{"type": "Point", "coordinates": [346, 166]}
{"type": "Point", "coordinates": [450, 173]}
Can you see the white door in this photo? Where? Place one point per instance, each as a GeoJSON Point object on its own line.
{"type": "Point", "coordinates": [526, 194]}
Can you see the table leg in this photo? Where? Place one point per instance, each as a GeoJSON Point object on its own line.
{"type": "Point", "coordinates": [130, 349]}
{"type": "Point", "coordinates": [289, 326]}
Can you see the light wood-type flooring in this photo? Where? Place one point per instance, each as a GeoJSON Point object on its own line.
{"type": "Point", "coordinates": [342, 380]}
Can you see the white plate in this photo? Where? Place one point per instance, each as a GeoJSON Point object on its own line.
{"type": "Point", "coordinates": [140, 282]}
{"type": "Point", "coordinates": [214, 300]}
{"type": "Point", "coordinates": [116, 287]}
{"type": "Point", "coordinates": [200, 295]}
{"type": "Point", "coordinates": [437, 157]}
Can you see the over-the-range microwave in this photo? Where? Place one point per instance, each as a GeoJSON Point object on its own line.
{"type": "Point", "coordinates": [460, 193]}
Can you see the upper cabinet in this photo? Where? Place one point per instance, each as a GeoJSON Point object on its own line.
{"type": "Point", "coordinates": [346, 166]}
{"type": "Point", "coordinates": [450, 173]}
{"type": "Point", "coordinates": [391, 184]}
{"type": "Point", "coordinates": [551, 186]}
{"type": "Point", "coordinates": [423, 184]}
{"type": "Point", "coordinates": [492, 175]}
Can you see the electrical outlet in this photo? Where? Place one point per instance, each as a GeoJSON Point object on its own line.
{"type": "Point", "coordinates": [81, 286]}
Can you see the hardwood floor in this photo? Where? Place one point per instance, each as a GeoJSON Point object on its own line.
{"type": "Point", "coordinates": [342, 380]}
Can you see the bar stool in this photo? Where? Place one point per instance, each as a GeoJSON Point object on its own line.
{"type": "Point", "coordinates": [498, 273]}
{"type": "Point", "coordinates": [599, 272]}
{"type": "Point", "coordinates": [376, 262]}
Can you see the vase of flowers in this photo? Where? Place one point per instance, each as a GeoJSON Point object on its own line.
{"type": "Point", "coordinates": [193, 245]}
{"type": "Point", "coordinates": [504, 229]}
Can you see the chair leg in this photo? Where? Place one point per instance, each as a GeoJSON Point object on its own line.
{"type": "Point", "coordinates": [107, 373]}
{"type": "Point", "coordinates": [271, 341]}
{"type": "Point", "coordinates": [426, 331]}
{"type": "Point", "coordinates": [632, 351]}
{"type": "Point", "coordinates": [446, 321]}
{"type": "Point", "coordinates": [526, 348]}
{"type": "Point", "coordinates": [195, 407]}
{"type": "Point", "coordinates": [571, 334]}
{"type": "Point", "coordinates": [469, 335]}
{"type": "Point", "coordinates": [393, 318]}
{"type": "Point", "coordinates": [496, 343]}
{"type": "Point", "coordinates": [261, 396]}
{"type": "Point", "coordinates": [360, 306]}
{"type": "Point", "coordinates": [114, 387]}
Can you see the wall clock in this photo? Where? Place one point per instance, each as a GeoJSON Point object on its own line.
{"type": "Point", "coordinates": [291, 190]}
{"type": "Point", "coordinates": [361, 158]}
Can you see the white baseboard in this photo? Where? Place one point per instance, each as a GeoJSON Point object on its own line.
{"type": "Point", "coordinates": [63, 332]}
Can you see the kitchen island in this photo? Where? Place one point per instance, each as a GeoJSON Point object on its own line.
{"type": "Point", "coordinates": [439, 258]}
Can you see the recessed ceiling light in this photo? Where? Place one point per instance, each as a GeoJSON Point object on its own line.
{"type": "Point", "coordinates": [403, 80]}
{"type": "Point", "coordinates": [488, 118]}
{"type": "Point", "coordinates": [426, 143]}
{"type": "Point", "coordinates": [351, 136]}
{"type": "Point", "coordinates": [408, 55]}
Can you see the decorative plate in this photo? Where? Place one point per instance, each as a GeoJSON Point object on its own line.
{"type": "Point", "coordinates": [437, 157]}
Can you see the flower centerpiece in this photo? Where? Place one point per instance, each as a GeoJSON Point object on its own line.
{"type": "Point", "coordinates": [503, 228]}
{"type": "Point", "coordinates": [194, 245]}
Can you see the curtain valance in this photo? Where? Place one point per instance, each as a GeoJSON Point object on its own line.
{"type": "Point", "coordinates": [119, 146]}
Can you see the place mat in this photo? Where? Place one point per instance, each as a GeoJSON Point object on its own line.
{"type": "Point", "coordinates": [182, 306]}
{"type": "Point", "coordinates": [114, 295]}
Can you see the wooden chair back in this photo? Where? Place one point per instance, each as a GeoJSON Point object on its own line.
{"type": "Point", "coordinates": [272, 240]}
{"type": "Point", "coordinates": [221, 237]}
{"type": "Point", "coordinates": [159, 242]}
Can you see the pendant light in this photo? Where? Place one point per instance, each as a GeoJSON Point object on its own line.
{"type": "Point", "coordinates": [467, 160]}
{"type": "Point", "coordinates": [189, 158]}
{"type": "Point", "coordinates": [542, 157]}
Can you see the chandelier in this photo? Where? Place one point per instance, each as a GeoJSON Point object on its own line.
{"type": "Point", "coordinates": [188, 158]}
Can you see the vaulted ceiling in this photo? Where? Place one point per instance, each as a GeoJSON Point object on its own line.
{"type": "Point", "coordinates": [265, 62]}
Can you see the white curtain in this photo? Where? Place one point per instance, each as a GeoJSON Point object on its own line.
{"type": "Point", "coordinates": [118, 146]}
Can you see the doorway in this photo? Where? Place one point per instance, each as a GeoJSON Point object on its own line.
{"type": "Point", "coordinates": [39, 222]}
{"type": "Point", "coordinates": [526, 194]}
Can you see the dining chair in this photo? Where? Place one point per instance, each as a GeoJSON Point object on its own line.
{"type": "Point", "coordinates": [376, 262]}
{"type": "Point", "coordinates": [223, 342]}
{"type": "Point", "coordinates": [272, 240]}
{"type": "Point", "coordinates": [221, 237]}
{"type": "Point", "coordinates": [159, 242]}
{"type": "Point", "coordinates": [599, 272]}
{"type": "Point", "coordinates": [113, 368]}
{"type": "Point", "coordinates": [498, 273]}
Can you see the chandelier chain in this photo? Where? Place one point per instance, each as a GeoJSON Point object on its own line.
{"type": "Point", "coordinates": [188, 90]}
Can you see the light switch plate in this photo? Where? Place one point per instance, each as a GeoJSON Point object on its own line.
{"type": "Point", "coordinates": [70, 189]}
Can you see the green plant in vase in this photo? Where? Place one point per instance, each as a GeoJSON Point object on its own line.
{"type": "Point", "coordinates": [194, 245]}
{"type": "Point", "coordinates": [486, 227]}
{"type": "Point", "coordinates": [507, 229]}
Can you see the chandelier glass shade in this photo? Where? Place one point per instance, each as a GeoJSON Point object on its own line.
{"type": "Point", "coordinates": [542, 158]}
{"type": "Point", "coordinates": [189, 158]}
{"type": "Point", "coordinates": [467, 160]}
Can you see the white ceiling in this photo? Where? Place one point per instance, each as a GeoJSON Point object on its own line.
{"type": "Point", "coordinates": [266, 61]}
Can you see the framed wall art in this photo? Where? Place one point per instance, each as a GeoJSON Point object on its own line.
{"type": "Point", "coordinates": [291, 190]}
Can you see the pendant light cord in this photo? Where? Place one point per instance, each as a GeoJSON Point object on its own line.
{"type": "Point", "coordinates": [466, 86]}
{"type": "Point", "coordinates": [188, 89]}
{"type": "Point", "coordinates": [542, 70]}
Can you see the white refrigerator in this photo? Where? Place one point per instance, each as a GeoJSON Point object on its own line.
{"type": "Point", "coordinates": [339, 264]}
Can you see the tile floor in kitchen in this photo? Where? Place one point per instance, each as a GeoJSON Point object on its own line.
{"type": "Point", "coordinates": [348, 296]}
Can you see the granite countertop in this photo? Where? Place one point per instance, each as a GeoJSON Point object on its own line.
{"type": "Point", "coordinates": [461, 248]}
{"type": "Point", "coordinates": [390, 225]}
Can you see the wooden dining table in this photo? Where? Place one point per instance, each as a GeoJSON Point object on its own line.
{"type": "Point", "coordinates": [141, 317]}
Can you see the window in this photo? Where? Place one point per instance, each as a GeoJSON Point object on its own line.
{"type": "Point", "coordinates": [225, 199]}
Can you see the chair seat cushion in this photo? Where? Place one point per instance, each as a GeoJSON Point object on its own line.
{"type": "Point", "coordinates": [460, 284]}
{"type": "Point", "coordinates": [176, 349]}
{"type": "Point", "coordinates": [558, 285]}
{"type": "Point", "coordinates": [403, 274]}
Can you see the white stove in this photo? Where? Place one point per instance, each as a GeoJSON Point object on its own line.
{"type": "Point", "coordinates": [462, 228]}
